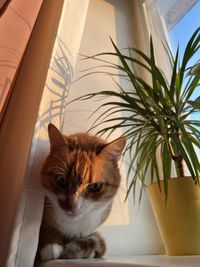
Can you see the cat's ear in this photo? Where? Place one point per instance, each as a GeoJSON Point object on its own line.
{"type": "Point", "coordinates": [55, 137]}
{"type": "Point", "coordinates": [114, 149]}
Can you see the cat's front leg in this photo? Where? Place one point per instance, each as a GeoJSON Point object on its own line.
{"type": "Point", "coordinates": [51, 252]}
{"type": "Point", "coordinates": [51, 244]}
{"type": "Point", "coordinates": [92, 246]}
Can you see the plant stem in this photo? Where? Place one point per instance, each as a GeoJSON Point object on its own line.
{"type": "Point", "coordinates": [178, 159]}
{"type": "Point", "coordinates": [179, 165]}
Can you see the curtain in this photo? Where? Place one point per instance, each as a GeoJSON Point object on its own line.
{"type": "Point", "coordinates": [17, 18]}
{"type": "Point", "coordinates": [57, 80]}
{"type": "Point", "coordinates": [158, 30]}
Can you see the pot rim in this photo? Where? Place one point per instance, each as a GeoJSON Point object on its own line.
{"type": "Point", "coordinates": [171, 179]}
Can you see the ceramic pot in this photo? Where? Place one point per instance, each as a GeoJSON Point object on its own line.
{"type": "Point", "coordinates": [178, 218]}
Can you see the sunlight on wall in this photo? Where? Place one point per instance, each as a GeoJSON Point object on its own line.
{"type": "Point", "coordinates": [95, 40]}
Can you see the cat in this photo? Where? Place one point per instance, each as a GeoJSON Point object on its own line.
{"type": "Point", "coordinates": [80, 177]}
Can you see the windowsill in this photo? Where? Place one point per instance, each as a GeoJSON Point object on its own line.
{"type": "Point", "coordinates": [131, 261]}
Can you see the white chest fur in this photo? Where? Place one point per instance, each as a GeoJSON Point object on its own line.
{"type": "Point", "coordinates": [82, 225]}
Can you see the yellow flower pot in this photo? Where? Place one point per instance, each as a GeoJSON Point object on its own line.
{"type": "Point", "coordinates": [178, 219]}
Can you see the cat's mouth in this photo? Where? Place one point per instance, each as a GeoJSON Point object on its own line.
{"type": "Point", "coordinates": [72, 214]}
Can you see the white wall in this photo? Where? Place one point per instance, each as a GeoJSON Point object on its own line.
{"type": "Point", "coordinates": [131, 229]}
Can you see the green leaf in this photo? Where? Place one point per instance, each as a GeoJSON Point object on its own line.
{"type": "Point", "coordinates": [195, 70]}
{"type": "Point", "coordinates": [195, 104]}
{"type": "Point", "coordinates": [166, 162]}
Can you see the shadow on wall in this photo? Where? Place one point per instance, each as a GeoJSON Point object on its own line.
{"type": "Point", "coordinates": [57, 87]}
{"type": "Point", "coordinates": [52, 109]}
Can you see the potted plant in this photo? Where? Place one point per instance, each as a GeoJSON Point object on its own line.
{"type": "Point", "coordinates": [156, 118]}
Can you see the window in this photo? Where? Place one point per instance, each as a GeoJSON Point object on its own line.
{"type": "Point", "coordinates": [174, 21]}
{"type": "Point", "coordinates": [179, 37]}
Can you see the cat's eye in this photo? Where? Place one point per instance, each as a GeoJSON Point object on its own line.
{"type": "Point", "coordinates": [61, 181]}
{"type": "Point", "coordinates": [95, 187]}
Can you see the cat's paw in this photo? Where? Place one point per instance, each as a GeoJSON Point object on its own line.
{"type": "Point", "coordinates": [73, 250]}
{"type": "Point", "coordinates": [92, 246]}
{"type": "Point", "coordinates": [100, 245]}
{"type": "Point", "coordinates": [51, 251]}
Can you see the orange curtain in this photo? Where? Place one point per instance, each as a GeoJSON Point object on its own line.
{"type": "Point", "coordinates": [17, 19]}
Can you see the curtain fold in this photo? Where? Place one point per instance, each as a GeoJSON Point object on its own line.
{"type": "Point", "coordinates": [19, 121]}
{"type": "Point", "coordinates": [158, 30]}
{"type": "Point", "coordinates": [17, 19]}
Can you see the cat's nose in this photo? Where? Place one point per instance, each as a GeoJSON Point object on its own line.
{"type": "Point", "coordinates": [76, 203]}
{"type": "Point", "coordinates": [73, 207]}
{"type": "Point", "coordinates": [68, 205]}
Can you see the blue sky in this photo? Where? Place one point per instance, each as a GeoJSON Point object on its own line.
{"type": "Point", "coordinates": [182, 31]}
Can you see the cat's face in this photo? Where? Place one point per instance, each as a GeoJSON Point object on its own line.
{"type": "Point", "coordinates": [81, 172]}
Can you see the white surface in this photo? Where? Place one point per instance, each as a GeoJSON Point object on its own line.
{"type": "Point", "coordinates": [140, 261]}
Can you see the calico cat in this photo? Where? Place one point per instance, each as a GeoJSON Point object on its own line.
{"type": "Point", "coordinates": [80, 177]}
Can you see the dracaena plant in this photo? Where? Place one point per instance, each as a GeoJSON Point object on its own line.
{"type": "Point", "coordinates": [156, 116]}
